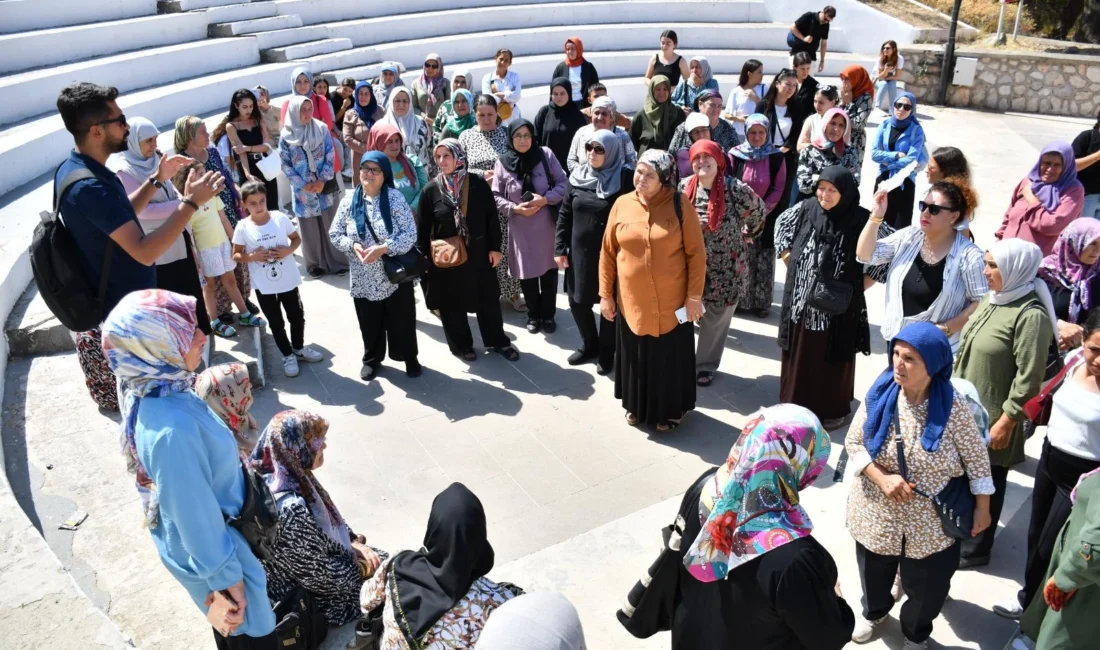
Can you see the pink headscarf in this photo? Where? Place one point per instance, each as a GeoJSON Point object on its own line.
{"type": "Point", "coordinates": [821, 142]}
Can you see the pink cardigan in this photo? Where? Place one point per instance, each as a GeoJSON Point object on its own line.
{"type": "Point", "coordinates": [154, 215]}
{"type": "Point", "coordinates": [1035, 223]}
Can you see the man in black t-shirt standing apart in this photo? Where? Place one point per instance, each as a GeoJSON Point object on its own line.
{"type": "Point", "coordinates": [808, 32]}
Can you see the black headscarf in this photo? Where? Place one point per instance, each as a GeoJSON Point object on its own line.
{"type": "Point", "coordinates": [837, 226]}
{"type": "Point", "coordinates": [523, 164]}
{"type": "Point", "coordinates": [558, 124]}
{"type": "Point", "coordinates": [429, 582]}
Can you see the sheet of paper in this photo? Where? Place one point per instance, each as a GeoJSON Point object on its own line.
{"type": "Point", "coordinates": [895, 181]}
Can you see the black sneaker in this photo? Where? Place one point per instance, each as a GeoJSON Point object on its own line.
{"type": "Point", "coordinates": [316, 272]}
{"type": "Point", "coordinates": [533, 325]}
{"type": "Point", "coordinates": [251, 306]}
{"type": "Point", "coordinates": [579, 357]}
{"type": "Point", "coordinates": [549, 326]}
{"type": "Point", "coordinates": [341, 273]}
{"type": "Point", "coordinates": [413, 369]}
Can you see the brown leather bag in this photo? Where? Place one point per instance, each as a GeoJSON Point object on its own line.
{"type": "Point", "coordinates": [450, 252]}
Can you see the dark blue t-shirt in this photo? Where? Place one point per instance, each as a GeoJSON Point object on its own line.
{"type": "Point", "coordinates": [92, 209]}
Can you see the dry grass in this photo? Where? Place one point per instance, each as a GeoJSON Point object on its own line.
{"type": "Point", "coordinates": [982, 14]}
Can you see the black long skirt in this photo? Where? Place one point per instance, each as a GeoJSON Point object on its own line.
{"type": "Point", "coordinates": [807, 378]}
{"type": "Point", "coordinates": [655, 375]}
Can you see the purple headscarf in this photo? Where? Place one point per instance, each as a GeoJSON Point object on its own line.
{"type": "Point", "coordinates": [1049, 194]}
{"type": "Point", "coordinates": [1064, 266]}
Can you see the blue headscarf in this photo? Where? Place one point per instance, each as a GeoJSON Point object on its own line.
{"type": "Point", "coordinates": [901, 125]}
{"type": "Point", "coordinates": [359, 201]}
{"type": "Point", "coordinates": [746, 151]}
{"type": "Point", "coordinates": [882, 400]}
{"type": "Point", "coordinates": [366, 113]}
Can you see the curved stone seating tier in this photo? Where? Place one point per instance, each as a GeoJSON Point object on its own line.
{"type": "Point", "coordinates": [24, 15]}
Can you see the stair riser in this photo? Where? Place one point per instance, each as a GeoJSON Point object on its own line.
{"type": "Point", "coordinates": [245, 27]}
{"type": "Point", "coordinates": [176, 6]}
{"type": "Point", "coordinates": [305, 50]}
{"type": "Point", "coordinates": [284, 37]}
{"type": "Point", "coordinates": [239, 12]}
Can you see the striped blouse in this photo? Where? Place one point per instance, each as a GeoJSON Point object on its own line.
{"type": "Point", "coordinates": [963, 281]}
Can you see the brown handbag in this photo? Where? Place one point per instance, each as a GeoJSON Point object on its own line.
{"type": "Point", "coordinates": [450, 252]}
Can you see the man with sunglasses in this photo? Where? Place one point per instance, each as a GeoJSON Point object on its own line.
{"type": "Point", "coordinates": [810, 31]}
{"type": "Point", "coordinates": [96, 210]}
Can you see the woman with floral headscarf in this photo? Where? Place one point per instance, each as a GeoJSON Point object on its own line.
{"type": "Point", "coordinates": [653, 264]}
{"type": "Point", "coordinates": [457, 203]}
{"type": "Point", "coordinates": [431, 89]}
{"type": "Point", "coordinates": [415, 132]}
{"type": "Point", "coordinates": [1046, 200]}
{"type": "Point", "coordinates": [1071, 273]}
{"type": "Point", "coordinates": [733, 215]}
{"type": "Point", "coordinates": [186, 463]}
{"type": "Point", "coordinates": [892, 524]}
{"type": "Point", "coordinates": [654, 125]}
{"type": "Point", "coordinates": [747, 551]}
{"type": "Point", "coordinates": [831, 146]}
{"type": "Point", "coordinates": [315, 548]}
{"type": "Point", "coordinates": [358, 123]}
{"type": "Point", "coordinates": [409, 172]}
{"type": "Point", "coordinates": [227, 390]}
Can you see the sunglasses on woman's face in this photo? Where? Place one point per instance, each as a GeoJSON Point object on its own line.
{"type": "Point", "coordinates": [903, 106]}
{"type": "Point", "coordinates": [932, 208]}
{"type": "Point", "coordinates": [431, 66]}
{"type": "Point", "coordinates": [593, 147]}
{"type": "Point", "coordinates": [372, 171]}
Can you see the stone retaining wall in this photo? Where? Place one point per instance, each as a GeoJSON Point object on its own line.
{"type": "Point", "coordinates": [1033, 82]}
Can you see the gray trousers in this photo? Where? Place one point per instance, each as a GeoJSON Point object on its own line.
{"type": "Point", "coordinates": [317, 248]}
{"type": "Point", "coordinates": [713, 328]}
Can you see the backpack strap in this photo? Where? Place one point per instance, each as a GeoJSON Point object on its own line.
{"type": "Point", "coordinates": [677, 207]}
{"type": "Point", "coordinates": [70, 179]}
{"type": "Point", "coordinates": [60, 191]}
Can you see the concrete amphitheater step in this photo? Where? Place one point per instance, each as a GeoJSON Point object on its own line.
{"type": "Point", "coordinates": [48, 47]}
{"type": "Point", "coordinates": [129, 71]}
{"type": "Point", "coordinates": [247, 27]}
{"type": "Point", "coordinates": [306, 50]}
{"type": "Point", "coordinates": [32, 330]}
{"type": "Point", "coordinates": [241, 11]}
{"type": "Point", "coordinates": [30, 149]}
{"type": "Point", "coordinates": [175, 6]}
{"type": "Point", "coordinates": [26, 15]}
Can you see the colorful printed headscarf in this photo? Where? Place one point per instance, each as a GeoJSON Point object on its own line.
{"type": "Point", "coordinates": [285, 455]}
{"type": "Point", "coordinates": [1050, 194]}
{"type": "Point", "coordinates": [455, 183]}
{"type": "Point", "coordinates": [1064, 266]}
{"type": "Point", "coordinates": [662, 162]}
{"type": "Point", "coordinates": [227, 390]}
{"type": "Point", "coordinates": [751, 505]}
{"type": "Point", "coordinates": [145, 339]}
{"type": "Point", "coordinates": [746, 151]}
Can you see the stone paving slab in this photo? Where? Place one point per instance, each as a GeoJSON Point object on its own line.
{"type": "Point", "coordinates": [575, 497]}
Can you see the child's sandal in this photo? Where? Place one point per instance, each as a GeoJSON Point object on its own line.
{"type": "Point", "coordinates": [224, 330]}
{"type": "Point", "coordinates": [251, 320]}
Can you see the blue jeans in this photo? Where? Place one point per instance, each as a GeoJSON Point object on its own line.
{"type": "Point", "coordinates": [886, 92]}
{"type": "Point", "coordinates": [1091, 206]}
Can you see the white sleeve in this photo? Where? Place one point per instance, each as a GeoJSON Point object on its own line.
{"type": "Point", "coordinates": [901, 63]}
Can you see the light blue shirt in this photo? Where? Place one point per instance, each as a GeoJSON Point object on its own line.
{"type": "Point", "coordinates": [192, 457]}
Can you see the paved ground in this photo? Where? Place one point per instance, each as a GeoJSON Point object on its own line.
{"type": "Point", "coordinates": [575, 497]}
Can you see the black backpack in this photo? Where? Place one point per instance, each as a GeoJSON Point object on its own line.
{"type": "Point", "coordinates": [300, 624]}
{"type": "Point", "coordinates": [58, 271]}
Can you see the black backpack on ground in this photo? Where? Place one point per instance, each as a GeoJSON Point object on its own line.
{"type": "Point", "coordinates": [299, 623]}
{"type": "Point", "coordinates": [58, 271]}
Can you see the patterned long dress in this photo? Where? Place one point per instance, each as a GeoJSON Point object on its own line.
{"type": "Point", "coordinates": [231, 199]}
{"type": "Point", "coordinates": [483, 148]}
{"type": "Point", "coordinates": [858, 112]}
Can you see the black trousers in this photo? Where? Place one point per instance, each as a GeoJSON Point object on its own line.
{"type": "Point", "coordinates": [899, 203]}
{"type": "Point", "coordinates": [182, 277]}
{"type": "Point", "coordinates": [982, 545]}
{"type": "Point", "coordinates": [601, 343]}
{"type": "Point", "coordinates": [242, 642]}
{"type": "Point", "coordinates": [926, 582]}
{"type": "Point", "coordinates": [489, 321]}
{"type": "Point", "coordinates": [1055, 479]}
{"type": "Point", "coordinates": [392, 320]}
{"type": "Point", "coordinates": [540, 293]}
{"type": "Point", "coordinates": [291, 303]}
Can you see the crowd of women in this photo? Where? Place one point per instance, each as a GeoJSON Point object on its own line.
{"type": "Point", "coordinates": [670, 222]}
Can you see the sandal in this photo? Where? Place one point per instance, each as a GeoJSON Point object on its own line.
{"type": "Point", "coordinates": [704, 378]}
{"type": "Point", "coordinates": [251, 320]}
{"type": "Point", "coordinates": [519, 304]}
{"type": "Point", "coordinates": [672, 423]}
{"type": "Point", "coordinates": [468, 356]}
{"type": "Point", "coordinates": [508, 353]}
{"type": "Point", "coordinates": [631, 419]}
{"type": "Point", "coordinates": [224, 330]}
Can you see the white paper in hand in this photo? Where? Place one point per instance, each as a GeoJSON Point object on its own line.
{"type": "Point", "coordinates": [896, 181]}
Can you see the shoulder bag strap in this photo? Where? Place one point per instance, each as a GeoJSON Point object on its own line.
{"type": "Point", "coordinates": [902, 467]}
{"type": "Point", "coordinates": [366, 219]}
{"type": "Point", "coordinates": [677, 207]}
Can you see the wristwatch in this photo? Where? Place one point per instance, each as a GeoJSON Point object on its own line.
{"type": "Point", "coordinates": [157, 184]}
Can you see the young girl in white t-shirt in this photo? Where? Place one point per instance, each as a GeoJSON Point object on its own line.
{"type": "Point", "coordinates": [266, 240]}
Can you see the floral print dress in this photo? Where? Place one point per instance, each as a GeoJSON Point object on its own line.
{"type": "Point", "coordinates": [231, 201]}
{"type": "Point", "coordinates": [812, 160]}
{"type": "Point", "coordinates": [460, 627]}
{"type": "Point", "coordinates": [483, 148]}
{"type": "Point", "coordinates": [727, 251]}
{"type": "Point", "coordinates": [369, 281]}
{"type": "Point", "coordinates": [295, 165]}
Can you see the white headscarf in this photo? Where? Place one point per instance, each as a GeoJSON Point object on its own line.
{"type": "Point", "coordinates": [534, 621]}
{"type": "Point", "coordinates": [1018, 262]}
{"type": "Point", "coordinates": [134, 163]}
{"type": "Point", "coordinates": [310, 137]}
{"type": "Point", "coordinates": [465, 74]}
{"type": "Point", "coordinates": [409, 125]}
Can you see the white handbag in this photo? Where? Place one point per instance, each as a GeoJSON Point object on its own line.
{"type": "Point", "coordinates": [270, 166]}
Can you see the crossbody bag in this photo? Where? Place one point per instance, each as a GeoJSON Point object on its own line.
{"type": "Point", "coordinates": [954, 503]}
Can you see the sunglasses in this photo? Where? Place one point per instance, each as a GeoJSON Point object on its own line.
{"type": "Point", "coordinates": [431, 66]}
{"type": "Point", "coordinates": [120, 120]}
{"type": "Point", "coordinates": [932, 208]}
{"type": "Point", "coordinates": [903, 106]}
{"type": "Point", "coordinates": [594, 147]}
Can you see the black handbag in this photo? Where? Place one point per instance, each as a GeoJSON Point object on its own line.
{"type": "Point", "coordinates": [258, 520]}
{"type": "Point", "coordinates": [651, 604]}
{"type": "Point", "coordinates": [831, 296]}
{"type": "Point", "coordinates": [954, 503]}
{"type": "Point", "coordinates": [300, 625]}
{"type": "Point", "coordinates": [403, 267]}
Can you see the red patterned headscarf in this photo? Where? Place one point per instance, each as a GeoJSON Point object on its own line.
{"type": "Point", "coordinates": [716, 204]}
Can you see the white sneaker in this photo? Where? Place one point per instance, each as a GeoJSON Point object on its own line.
{"type": "Point", "coordinates": [1009, 609]}
{"type": "Point", "coordinates": [913, 645]}
{"type": "Point", "coordinates": [309, 354]}
{"type": "Point", "coordinates": [865, 629]}
{"type": "Point", "coordinates": [1021, 642]}
{"type": "Point", "coordinates": [290, 365]}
